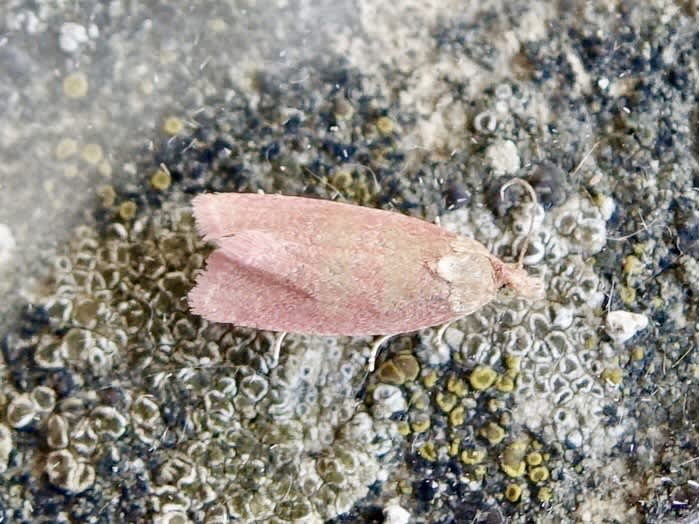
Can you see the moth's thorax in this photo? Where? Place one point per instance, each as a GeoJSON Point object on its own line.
{"type": "Point", "coordinates": [470, 274]}
{"type": "Point", "coordinates": [475, 275]}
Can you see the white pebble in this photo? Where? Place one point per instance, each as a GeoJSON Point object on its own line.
{"type": "Point", "coordinates": [395, 514]}
{"type": "Point", "coordinates": [622, 325]}
{"type": "Point", "coordinates": [72, 37]}
{"type": "Point", "coordinates": [7, 244]}
{"type": "Point", "coordinates": [503, 157]}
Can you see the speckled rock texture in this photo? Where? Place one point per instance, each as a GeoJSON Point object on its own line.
{"type": "Point", "coordinates": [119, 405]}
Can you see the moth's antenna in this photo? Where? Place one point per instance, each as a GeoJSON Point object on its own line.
{"type": "Point", "coordinates": [527, 186]}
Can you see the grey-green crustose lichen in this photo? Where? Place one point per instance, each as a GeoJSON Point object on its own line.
{"type": "Point", "coordinates": [193, 408]}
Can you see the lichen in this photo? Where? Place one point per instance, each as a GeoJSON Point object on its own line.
{"type": "Point", "coordinates": [223, 428]}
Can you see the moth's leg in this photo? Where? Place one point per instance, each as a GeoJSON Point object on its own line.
{"type": "Point", "coordinates": [440, 333]}
{"type": "Point", "coordinates": [276, 350]}
{"type": "Point", "coordinates": [371, 364]}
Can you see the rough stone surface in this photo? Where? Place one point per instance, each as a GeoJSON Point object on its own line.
{"type": "Point", "coordinates": [117, 405]}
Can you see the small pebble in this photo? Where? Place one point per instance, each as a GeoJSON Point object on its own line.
{"type": "Point", "coordinates": [394, 513]}
{"type": "Point", "coordinates": [622, 325]}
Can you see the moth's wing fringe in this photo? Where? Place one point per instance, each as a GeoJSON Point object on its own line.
{"type": "Point", "coordinates": [206, 215]}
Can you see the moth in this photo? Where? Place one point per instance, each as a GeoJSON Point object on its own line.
{"type": "Point", "coordinates": [302, 265]}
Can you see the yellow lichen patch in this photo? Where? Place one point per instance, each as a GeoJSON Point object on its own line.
{"type": "Point", "coordinates": [127, 210]}
{"type": "Point", "coordinates": [612, 375]}
{"type": "Point", "coordinates": [480, 471]}
{"type": "Point", "coordinates": [65, 148]}
{"type": "Point", "coordinates": [627, 294]}
{"type": "Point", "coordinates": [493, 405]}
{"type": "Point", "coordinates": [505, 383]}
{"type": "Point", "coordinates": [514, 470]}
{"type": "Point", "coordinates": [513, 492]}
{"type": "Point", "coordinates": [534, 458]}
{"type": "Point", "coordinates": [107, 195]}
{"type": "Point", "coordinates": [544, 495]}
{"type": "Point", "coordinates": [428, 451]}
{"type": "Point", "coordinates": [492, 433]}
{"type": "Point", "coordinates": [354, 186]}
{"type": "Point", "coordinates": [421, 425]}
{"type": "Point", "coordinates": [539, 474]}
{"type": "Point", "coordinates": [160, 180]}
{"type": "Point", "coordinates": [341, 179]}
{"type": "Point", "coordinates": [403, 428]}
{"type": "Point", "coordinates": [446, 401]}
{"type": "Point", "coordinates": [405, 487]}
{"type": "Point", "coordinates": [75, 85]}
{"type": "Point", "coordinates": [384, 125]}
{"type": "Point", "coordinates": [91, 154]}
{"type": "Point", "coordinates": [632, 265]}
{"type": "Point", "coordinates": [505, 419]}
{"type": "Point", "coordinates": [512, 458]}
{"type": "Point", "coordinates": [457, 386]}
{"type": "Point", "coordinates": [511, 362]}
{"type": "Point", "coordinates": [454, 447]}
{"type": "Point", "coordinates": [420, 401]}
{"type": "Point", "coordinates": [472, 456]}
{"type": "Point", "coordinates": [514, 452]}
{"type": "Point", "coordinates": [456, 416]}
{"type": "Point", "coordinates": [172, 126]}
{"type": "Point", "coordinates": [482, 377]}
{"type": "Point", "coordinates": [590, 341]}
{"type": "Point", "coordinates": [637, 353]}
{"type": "Point", "coordinates": [430, 379]}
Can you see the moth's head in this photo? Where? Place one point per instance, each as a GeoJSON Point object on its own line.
{"type": "Point", "coordinates": [522, 283]}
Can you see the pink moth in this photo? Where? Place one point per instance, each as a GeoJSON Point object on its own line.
{"type": "Point", "coordinates": [302, 265]}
